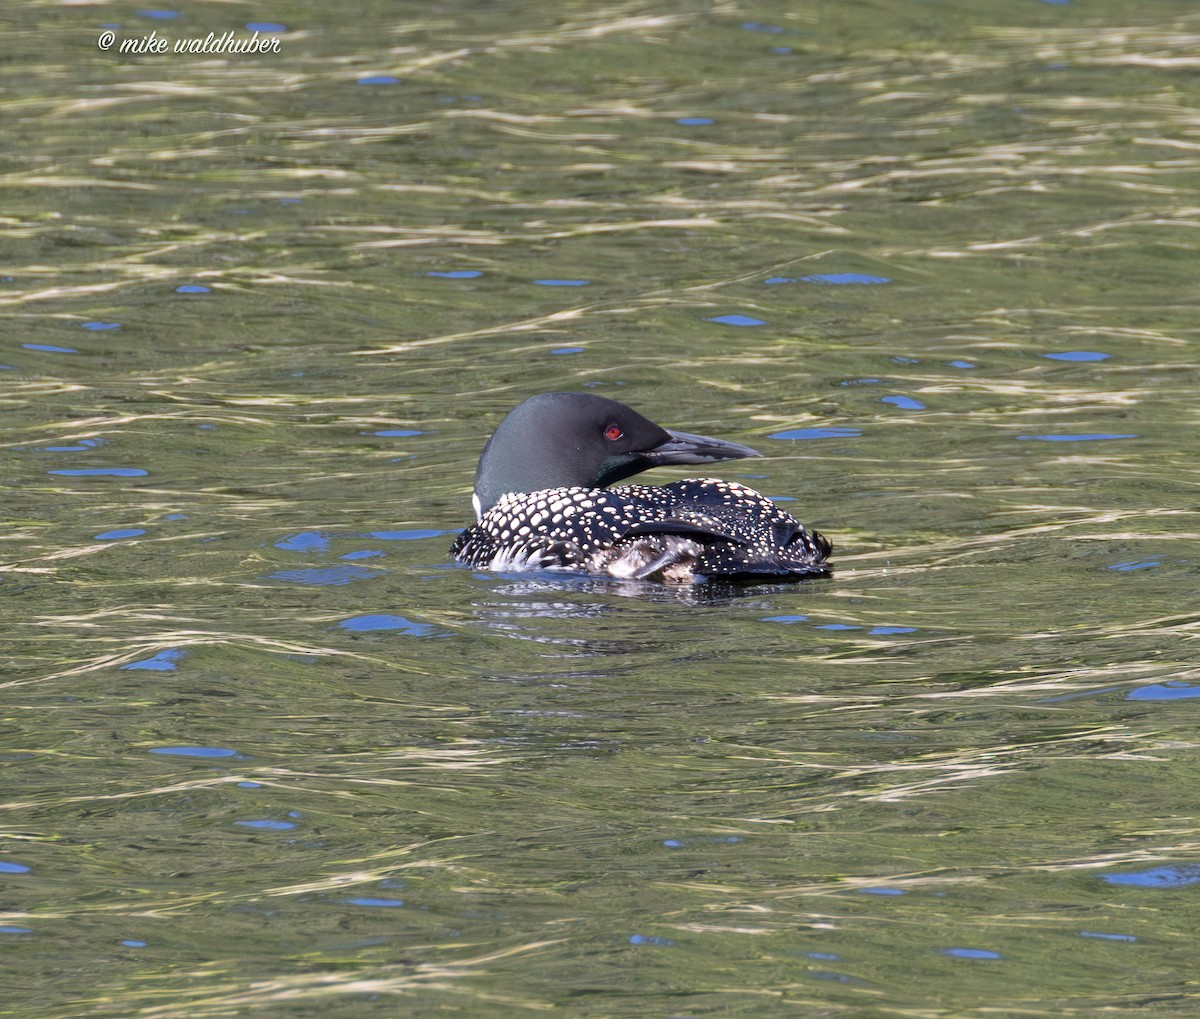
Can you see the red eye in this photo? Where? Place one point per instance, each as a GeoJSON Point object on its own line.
{"type": "Point", "coordinates": [613, 432]}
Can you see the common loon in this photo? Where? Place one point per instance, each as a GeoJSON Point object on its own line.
{"type": "Point", "coordinates": [541, 502]}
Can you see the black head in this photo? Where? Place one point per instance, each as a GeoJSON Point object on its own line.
{"type": "Point", "coordinates": [560, 440]}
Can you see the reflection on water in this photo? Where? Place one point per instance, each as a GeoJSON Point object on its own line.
{"type": "Point", "coordinates": [266, 749]}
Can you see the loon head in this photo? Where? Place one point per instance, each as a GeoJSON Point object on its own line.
{"type": "Point", "coordinates": [566, 440]}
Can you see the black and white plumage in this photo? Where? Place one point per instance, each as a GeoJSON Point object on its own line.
{"type": "Point", "coordinates": [541, 500]}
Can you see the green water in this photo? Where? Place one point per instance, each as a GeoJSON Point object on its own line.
{"type": "Point", "coordinates": [346, 777]}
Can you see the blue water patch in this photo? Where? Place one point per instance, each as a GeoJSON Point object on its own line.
{"type": "Point", "coordinates": [962, 364]}
{"type": "Point", "coordinates": [693, 121]}
{"type": "Point", "coordinates": [133, 943]}
{"type": "Point", "coordinates": [567, 350]}
{"type": "Point", "coordinates": [1173, 690]}
{"type": "Point", "coordinates": [398, 433]}
{"type": "Point", "coordinates": [326, 576]}
{"type": "Point", "coordinates": [83, 446]}
{"type": "Point", "coordinates": [706, 840]}
{"type": "Point", "coordinates": [386, 621]}
{"type": "Point", "coordinates": [822, 956]}
{"type": "Point", "coordinates": [970, 953]}
{"type": "Point", "coordinates": [762, 26]}
{"type": "Point", "coordinates": [413, 535]}
{"type": "Point", "coordinates": [265, 26]}
{"type": "Point", "coordinates": [8, 867]}
{"type": "Point", "coordinates": [266, 825]}
{"type": "Point", "coordinates": [456, 274]}
{"type": "Point", "coordinates": [375, 902]}
{"type": "Point", "coordinates": [784, 619]}
{"type": "Point", "coordinates": [838, 626]}
{"type": "Point", "coordinates": [49, 348]}
{"type": "Point", "coordinates": [904, 402]}
{"type": "Point", "coordinates": [845, 278]}
{"type": "Point", "coordinates": [652, 939]}
{"type": "Point", "coordinates": [195, 751]}
{"type": "Point", "coordinates": [303, 541]}
{"type": "Point", "coordinates": [164, 661]}
{"type": "Point", "coordinates": [1157, 877]}
{"type": "Point", "coordinates": [772, 280]}
{"type": "Point", "coordinates": [837, 978]}
{"type": "Point", "coordinates": [1082, 437]}
{"type": "Point", "coordinates": [817, 433]}
{"type": "Point", "coordinates": [882, 890]}
{"type": "Point", "coordinates": [101, 326]}
{"type": "Point", "coordinates": [192, 288]}
{"type": "Point", "coordinates": [117, 535]}
{"type": "Point", "coordinates": [98, 472]}
{"type": "Point", "coordinates": [379, 79]}
{"type": "Point", "coordinates": [176, 516]}
{"type": "Point", "coordinates": [9, 928]}
{"type": "Point", "coordinates": [366, 553]}
{"type": "Point", "coordinates": [1078, 355]}
{"type": "Point", "coordinates": [781, 50]}
{"type": "Point", "coordinates": [860, 382]}
{"type": "Point", "coordinates": [1107, 937]}
{"type": "Point", "coordinates": [562, 283]}
{"type": "Point", "coordinates": [159, 15]}
{"type": "Point", "coordinates": [736, 320]}
{"type": "Point", "coordinates": [1130, 567]}
{"type": "Point", "coordinates": [886, 631]}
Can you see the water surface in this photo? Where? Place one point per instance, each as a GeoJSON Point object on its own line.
{"type": "Point", "coordinates": [267, 751]}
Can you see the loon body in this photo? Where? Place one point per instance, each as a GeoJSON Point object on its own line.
{"type": "Point", "coordinates": [542, 502]}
